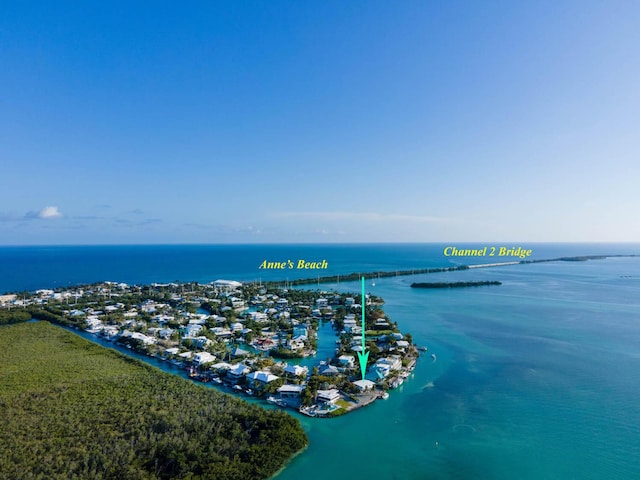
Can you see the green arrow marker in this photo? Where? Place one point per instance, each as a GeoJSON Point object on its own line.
{"type": "Point", "coordinates": [363, 356]}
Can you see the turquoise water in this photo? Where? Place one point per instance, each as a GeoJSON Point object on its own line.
{"type": "Point", "coordinates": [538, 378]}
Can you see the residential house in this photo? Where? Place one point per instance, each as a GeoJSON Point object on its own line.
{"type": "Point", "coordinates": [260, 379]}
{"type": "Point", "coordinates": [329, 396]}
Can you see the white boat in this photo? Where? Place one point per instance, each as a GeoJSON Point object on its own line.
{"type": "Point", "coordinates": [385, 395]}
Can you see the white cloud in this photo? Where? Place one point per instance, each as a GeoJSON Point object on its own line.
{"type": "Point", "coordinates": [49, 212]}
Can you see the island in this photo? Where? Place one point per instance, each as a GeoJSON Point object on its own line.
{"type": "Point", "coordinates": [454, 284]}
{"type": "Point", "coordinates": [253, 339]}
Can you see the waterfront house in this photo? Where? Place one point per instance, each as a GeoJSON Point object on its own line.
{"type": "Point", "coordinates": [171, 351]}
{"type": "Point", "coordinates": [329, 396]}
{"type": "Point", "coordinates": [186, 355]}
{"type": "Point", "coordinates": [202, 358]}
{"type": "Point", "coordinates": [237, 373]}
{"type": "Point", "coordinates": [259, 378]}
{"type": "Point", "coordinates": [221, 366]}
{"type": "Point", "coordinates": [295, 344]}
{"type": "Point", "coordinates": [364, 385]}
{"type": "Point", "coordinates": [291, 391]}
{"type": "Point", "coordinates": [384, 366]}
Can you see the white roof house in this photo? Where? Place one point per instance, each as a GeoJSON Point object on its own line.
{"type": "Point", "coordinates": [227, 285]}
{"type": "Point", "coordinates": [203, 357]}
{"type": "Point", "coordinates": [239, 370]}
{"type": "Point", "coordinates": [364, 385]}
{"type": "Point", "coordinates": [329, 396]}
{"type": "Point", "coordinates": [347, 360]}
{"type": "Point", "coordinates": [296, 370]}
{"type": "Point", "coordinates": [291, 391]}
{"type": "Point", "coordinates": [261, 377]}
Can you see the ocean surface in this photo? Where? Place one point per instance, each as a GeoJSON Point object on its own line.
{"type": "Point", "coordinates": [538, 378]}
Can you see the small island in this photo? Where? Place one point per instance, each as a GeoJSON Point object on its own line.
{"type": "Point", "coordinates": [454, 284]}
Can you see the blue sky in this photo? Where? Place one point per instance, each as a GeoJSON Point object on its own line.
{"type": "Point", "coordinates": [218, 122]}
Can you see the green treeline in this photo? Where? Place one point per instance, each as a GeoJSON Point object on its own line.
{"type": "Point", "coordinates": [73, 409]}
{"type": "Point", "coordinates": [453, 284]}
{"type": "Point", "coordinates": [13, 316]}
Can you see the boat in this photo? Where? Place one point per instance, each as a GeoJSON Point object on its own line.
{"type": "Point", "coordinates": [249, 392]}
{"type": "Point", "coordinates": [384, 395]}
{"type": "Point", "coordinates": [237, 388]}
{"type": "Point", "coordinates": [433, 355]}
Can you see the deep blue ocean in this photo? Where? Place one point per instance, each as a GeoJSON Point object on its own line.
{"type": "Point", "coordinates": [538, 378]}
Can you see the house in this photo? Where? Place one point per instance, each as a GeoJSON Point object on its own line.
{"type": "Point", "coordinates": [384, 366]}
{"type": "Point", "coordinates": [186, 355]}
{"type": "Point", "coordinates": [202, 342]}
{"type": "Point", "coordinates": [172, 351]}
{"type": "Point", "coordinates": [202, 358]}
{"type": "Point", "coordinates": [191, 330]}
{"type": "Point", "coordinates": [329, 371]}
{"type": "Point", "coordinates": [226, 286]}
{"type": "Point", "coordinates": [237, 327]}
{"type": "Point", "coordinates": [291, 391]}
{"type": "Point", "coordinates": [347, 361]}
{"type": "Point", "coordinates": [237, 303]}
{"type": "Point", "coordinates": [322, 302]}
{"type": "Point", "coordinates": [260, 378]}
{"type": "Point", "coordinates": [237, 373]}
{"type": "Point", "coordinates": [221, 366]}
{"type": "Point", "coordinates": [296, 343]}
{"type": "Point", "coordinates": [259, 317]}
{"type": "Point", "coordinates": [300, 331]}
{"type": "Point", "coordinates": [349, 322]}
{"type": "Point", "coordinates": [111, 331]}
{"type": "Point", "coordinates": [364, 385]}
{"type": "Point", "coordinates": [296, 371]}
{"type": "Point", "coordinates": [142, 338]}
{"type": "Point", "coordinates": [222, 333]}
{"type": "Point", "coordinates": [165, 333]}
{"type": "Point", "coordinates": [329, 396]}
{"type": "Point", "coordinates": [381, 323]}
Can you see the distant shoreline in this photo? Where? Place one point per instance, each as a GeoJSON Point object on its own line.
{"type": "Point", "coordinates": [453, 284]}
{"type": "Point", "coordinates": [355, 276]}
